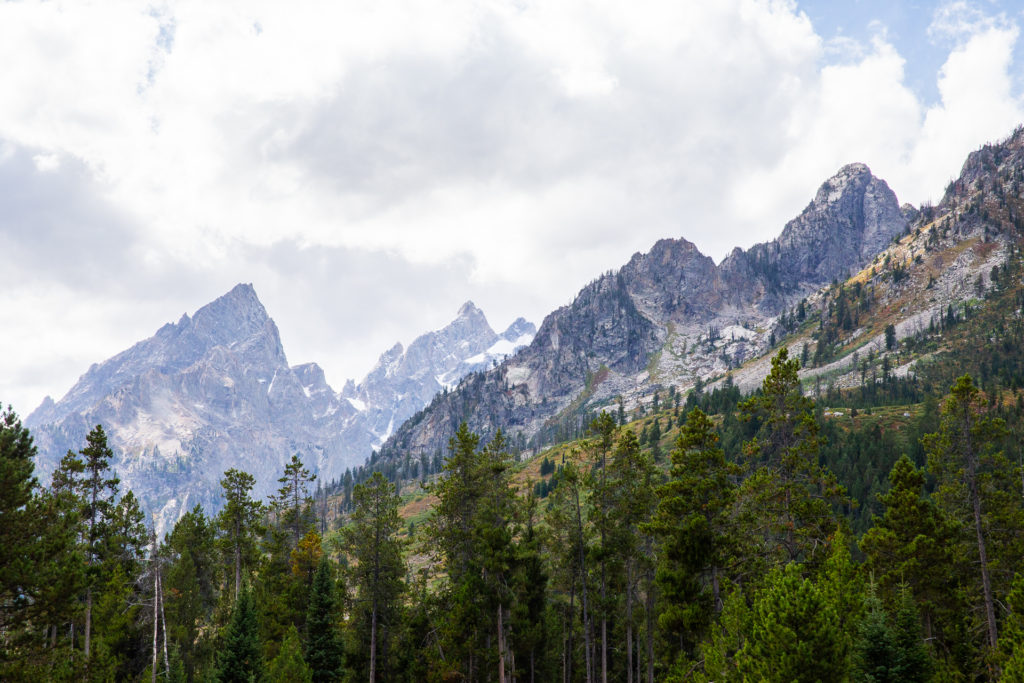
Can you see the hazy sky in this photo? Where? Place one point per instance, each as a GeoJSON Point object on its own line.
{"type": "Point", "coordinates": [371, 164]}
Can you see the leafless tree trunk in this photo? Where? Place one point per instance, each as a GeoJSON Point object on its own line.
{"type": "Point", "coordinates": [163, 618]}
{"type": "Point", "coordinates": [156, 616]}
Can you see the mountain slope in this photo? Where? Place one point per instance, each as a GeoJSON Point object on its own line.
{"type": "Point", "coordinates": [670, 315]}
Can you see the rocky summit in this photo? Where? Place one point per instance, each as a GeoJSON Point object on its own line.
{"type": "Point", "coordinates": [215, 391]}
{"type": "Point", "coordinates": [404, 380]}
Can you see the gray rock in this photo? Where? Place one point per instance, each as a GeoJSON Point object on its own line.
{"type": "Point", "coordinates": [609, 341]}
{"type": "Point", "coordinates": [215, 391]}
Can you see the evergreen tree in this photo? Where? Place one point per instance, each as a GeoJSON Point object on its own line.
{"type": "Point", "coordinates": [239, 521]}
{"type": "Point", "coordinates": [372, 543]}
{"type": "Point", "coordinates": [728, 636]}
{"type": "Point", "coordinates": [842, 586]}
{"type": "Point", "coordinates": [794, 633]}
{"type": "Point", "coordinates": [293, 504]}
{"type": "Point", "coordinates": [191, 589]}
{"type": "Point", "coordinates": [241, 658]}
{"type": "Point", "coordinates": [908, 542]}
{"type": "Point", "coordinates": [324, 647]}
{"type": "Point", "coordinates": [695, 531]}
{"type": "Point", "coordinates": [876, 655]}
{"type": "Point", "coordinates": [98, 492]}
{"type": "Point", "coordinates": [631, 479]}
{"type": "Point", "coordinates": [289, 666]}
{"type": "Point", "coordinates": [884, 652]}
{"type": "Point", "coordinates": [570, 538]}
{"type": "Point", "coordinates": [975, 485]}
{"type": "Point", "coordinates": [530, 604]}
{"type": "Point", "coordinates": [788, 501]}
{"type": "Point", "coordinates": [18, 531]}
{"type": "Point", "coordinates": [915, 660]}
{"type": "Point", "coordinates": [473, 530]}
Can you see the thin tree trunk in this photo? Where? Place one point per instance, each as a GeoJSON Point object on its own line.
{"type": "Point", "coordinates": [156, 622]}
{"type": "Point", "coordinates": [567, 653]}
{"type": "Point", "coordinates": [716, 589]}
{"type": "Point", "coordinates": [163, 620]}
{"type": "Point", "coordinates": [501, 647]}
{"type": "Point", "coordinates": [373, 644]}
{"type": "Point", "coordinates": [639, 658]}
{"type": "Point", "coordinates": [629, 623]}
{"type": "Point", "coordinates": [986, 582]}
{"type": "Point", "coordinates": [238, 568]}
{"type": "Point", "coordinates": [583, 579]}
{"type": "Point", "coordinates": [88, 620]}
{"type": "Point", "coordinates": [650, 628]}
{"type": "Point", "coordinates": [604, 645]}
{"type": "Point", "coordinates": [650, 618]}
{"type": "Point", "coordinates": [511, 650]}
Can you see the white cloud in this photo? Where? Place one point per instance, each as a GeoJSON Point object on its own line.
{"type": "Point", "coordinates": [502, 150]}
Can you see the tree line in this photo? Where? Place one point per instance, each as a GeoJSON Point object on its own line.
{"type": "Point", "coordinates": [733, 559]}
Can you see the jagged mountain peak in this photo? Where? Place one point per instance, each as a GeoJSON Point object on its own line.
{"type": "Point", "coordinates": [519, 328]}
{"type": "Point", "coordinates": [232, 317]}
{"type": "Point", "coordinates": [469, 310]}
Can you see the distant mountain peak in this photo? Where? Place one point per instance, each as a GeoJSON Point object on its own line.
{"type": "Point", "coordinates": [468, 309]}
{"type": "Point", "coordinates": [519, 328]}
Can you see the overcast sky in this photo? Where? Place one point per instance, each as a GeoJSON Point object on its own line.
{"type": "Point", "coordinates": [371, 164]}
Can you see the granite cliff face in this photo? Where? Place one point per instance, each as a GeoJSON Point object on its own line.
{"type": "Point", "coordinates": [203, 395]}
{"type": "Point", "coordinates": [852, 217]}
{"type": "Point", "coordinates": [214, 391]}
{"type": "Point", "coordinates": [668, 315]}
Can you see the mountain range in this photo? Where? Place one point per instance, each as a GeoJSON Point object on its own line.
{"type": "Point", "coordinates": [215, 390]}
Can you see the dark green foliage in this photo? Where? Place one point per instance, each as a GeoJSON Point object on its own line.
{"type": "Point", "coordinates": [1011, 639]}
{"type": "Point", "coordinates": [794, 633]}
{"type": "Point", "coordinates": [876, 656]}
{"type": "Point", "coordinates": [695, 531]}
{"type": "Point", "coordinates": [191, 586]}
{"type": "Point", "coordinates": [241, 657]}
{"type": "Point", "coordinates": [530, 610]}
{"type": "Point", "coordinates": [895, 653]}
{"type": "Point", "coordinates": [18, 541]}
{"type": "Point", "coordinates": [289, 666]}
{"type": "Point", "coordinates": [915, 660]}
{"type": "Point", "coordinates": [293, 504]}
{"type": "Point", "coordinates": [908, 542]}
{"type": "Point", "coordinates": [324, 647]}
{"type": "Point", "coordinates": [976, 487]}
{"type": "Point", "coordinates": [372, 543]}
{"type": "Point", "coordinates": [789, 497]}
{"type": "Point", "coordinates": [240, 522]}
{"type": "Point", "coordinates": [890, 337]}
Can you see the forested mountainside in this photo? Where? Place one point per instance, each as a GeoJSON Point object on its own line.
{"type": "Point", "coordinates": [215, 391]}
